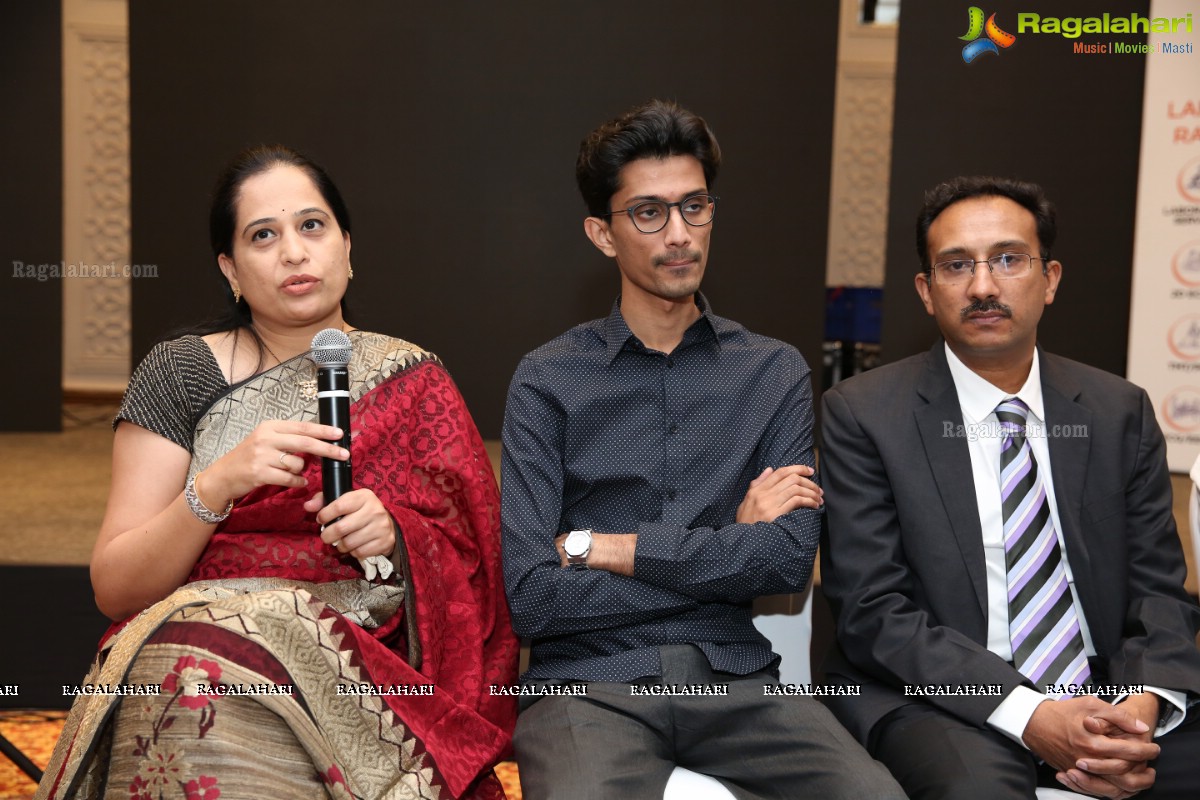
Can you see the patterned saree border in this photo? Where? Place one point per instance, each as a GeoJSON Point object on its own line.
{"type": "Point", "coordinates": [288, 391]}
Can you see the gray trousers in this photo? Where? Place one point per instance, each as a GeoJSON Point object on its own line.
{"type": "Point", "coordinates": [614, 744]}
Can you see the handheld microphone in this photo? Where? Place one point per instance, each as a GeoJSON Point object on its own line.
{"type": "Point", "coordinates": [331, 351]}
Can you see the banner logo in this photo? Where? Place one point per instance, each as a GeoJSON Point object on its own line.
{"type": "Point", "coordinates": [976, 27]}
{"type": "Point", "coordinates": [1184, 338]}
{"type": "Point", "coordinates": [1189, 181]}
{"type": "Point", "coordinates": [1186, 264]}
{"type": "Point", "coordinates": [1181, 409]}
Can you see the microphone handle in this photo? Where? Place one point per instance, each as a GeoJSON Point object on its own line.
{"type": "Point", "coordinates": [333, 407]}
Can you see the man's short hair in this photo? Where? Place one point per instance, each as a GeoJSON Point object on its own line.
{"type": "Point", "coordinates": [656, 129]}
{"type": "Point", "coordinates": [1025, 194]}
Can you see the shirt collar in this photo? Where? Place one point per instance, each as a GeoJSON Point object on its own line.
{"type": "Point", "coordinates": [618, 336]}
{"type": "Point", "coordinates": [979, 398]}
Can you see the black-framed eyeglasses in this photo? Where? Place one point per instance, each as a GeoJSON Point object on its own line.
{"type": "Point", "coordinates": [1004, 266]}
{"type": "Point", "coordinates": [651, 216]}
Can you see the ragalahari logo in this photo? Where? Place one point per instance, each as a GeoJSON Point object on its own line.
{"type": "Point", "coordinates": [976, 27]}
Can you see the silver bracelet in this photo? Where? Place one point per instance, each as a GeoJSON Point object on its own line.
{"type": "Point", "coordinates": [201, 511]}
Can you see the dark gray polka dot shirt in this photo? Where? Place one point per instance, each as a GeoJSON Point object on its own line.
{"type": "Point", "coordinates": [602, 433]}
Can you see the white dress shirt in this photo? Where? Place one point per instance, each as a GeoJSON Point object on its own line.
{"type": "Point", "coordinates": [978, 400]}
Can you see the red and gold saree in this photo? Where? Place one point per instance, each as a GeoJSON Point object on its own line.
{"type": "Point", "coordinates": [279, 670]}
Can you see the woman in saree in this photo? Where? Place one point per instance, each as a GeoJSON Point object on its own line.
{"type": "Point", "coordinates": [283, 666]}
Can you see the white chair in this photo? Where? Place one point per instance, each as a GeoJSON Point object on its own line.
{"type": "Point", "coordinates": [787, 621]}
{"type": "Point", "coordinates": [687, 785]}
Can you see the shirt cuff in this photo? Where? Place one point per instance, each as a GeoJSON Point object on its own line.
{"type": "Point", "coordinates": [1014, 712]}
{"type": "Point", "coordinates": [655, 559]}
{"type": "Point", "coordinates": [1172, 713]}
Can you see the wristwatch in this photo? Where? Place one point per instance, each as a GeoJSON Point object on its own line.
{"type": "Point", "coordinates": [577, 546]}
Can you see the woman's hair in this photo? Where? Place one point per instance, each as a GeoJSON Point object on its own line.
{"type": "Point", "coordinates": [222, 218]}
{"type": "Point", "coordinates": [222, 223]}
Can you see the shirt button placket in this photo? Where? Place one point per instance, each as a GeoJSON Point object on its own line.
{"type": "Point", "coordinates": [671, 454]}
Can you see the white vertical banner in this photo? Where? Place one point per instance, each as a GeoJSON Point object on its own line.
{"type": "Point", "coordinates": [1164, 321]}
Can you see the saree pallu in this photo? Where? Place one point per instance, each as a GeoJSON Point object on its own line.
{"type": "Point", "coordinates": [279, 670]}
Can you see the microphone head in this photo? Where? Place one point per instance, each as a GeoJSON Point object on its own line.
{"type": "Point", "coordinates": [331, 347]}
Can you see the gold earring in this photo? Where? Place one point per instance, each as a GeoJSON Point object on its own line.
{"type": "Point", "coordinates": [350, 272]}
{"type": "Point", "coordinates": [237, 295]}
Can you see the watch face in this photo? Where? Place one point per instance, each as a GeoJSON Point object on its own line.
{"type": "Point", "coordinates": [577, 543]}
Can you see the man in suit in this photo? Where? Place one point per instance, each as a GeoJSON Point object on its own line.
{"type": "Point", "coordinates": [1001, 555]}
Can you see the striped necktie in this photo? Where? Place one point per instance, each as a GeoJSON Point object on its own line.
{"type": "Point", "coordinates": [1043, 626]}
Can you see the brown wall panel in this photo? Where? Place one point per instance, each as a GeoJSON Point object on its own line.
{"type": "Point", "coordinates": [452, 130]}
{"type": "Point", "coordinates": [31, 214]}
{"type": "Point", "coordinates": [1037, 111]}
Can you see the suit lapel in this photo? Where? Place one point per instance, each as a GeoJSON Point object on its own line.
{"type": "Point", "coordinates": [1069, 452]}
{"type": "Point", "coordinates": [950, 461]}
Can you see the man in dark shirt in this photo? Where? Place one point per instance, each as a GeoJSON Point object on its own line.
{"type": "Point", "coordinates": [656, 479]}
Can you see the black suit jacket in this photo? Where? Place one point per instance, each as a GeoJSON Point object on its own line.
{"type": "Point", "coordinates": [902, 562]}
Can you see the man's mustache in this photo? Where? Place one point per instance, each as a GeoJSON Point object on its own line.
{"type": "Point", "coordinates": [676, 256]}
{"type": "Point", "coordinates": [984, 307]}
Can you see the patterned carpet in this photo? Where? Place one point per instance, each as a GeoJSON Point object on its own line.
{"type": "Point", "coordinates": [35, 732]}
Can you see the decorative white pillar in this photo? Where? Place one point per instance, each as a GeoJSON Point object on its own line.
{"type": "Point", "coordinates": [96, 300]}
{"type": "Point", "coordinates": [862, 151]}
